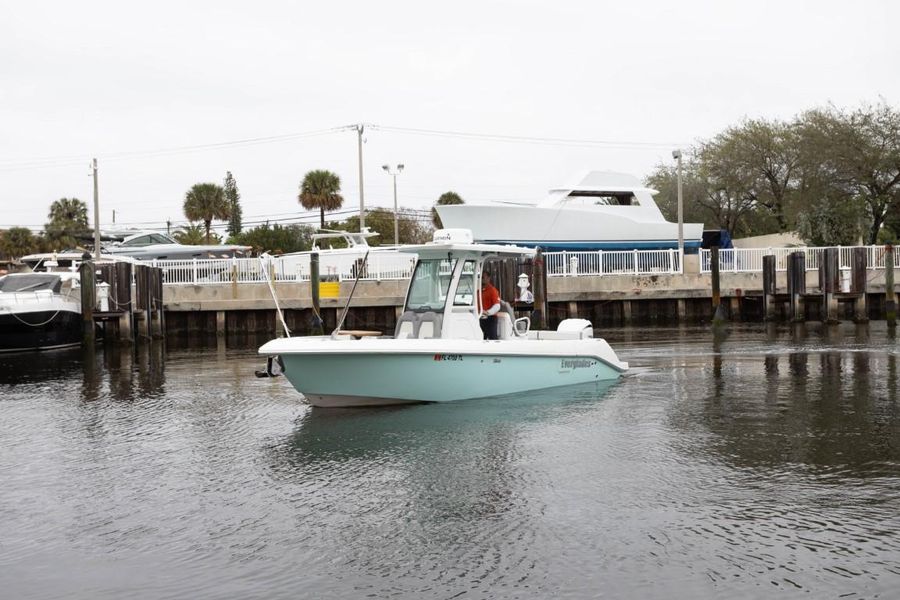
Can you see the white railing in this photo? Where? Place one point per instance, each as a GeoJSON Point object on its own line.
{"type": "Point", "coordinates": [612, 262]}
{"type": "Point", "coordinates": [379, 266]}
{"type": "Point", "coordinates": [392, 265]}
{"type": "Point", "coordinates": [749, 260]}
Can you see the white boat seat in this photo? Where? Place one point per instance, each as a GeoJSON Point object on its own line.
{"type": "Point", "coordinates": [504, 326]}
{"type": "Point", "coordinates": [429, 325]}
{"type": "Point", "coordinates": [418, 325]}
{"type": "Point", "coordinates": [505, 318]}
{"type": "Point", "coordinates": [407, 325]}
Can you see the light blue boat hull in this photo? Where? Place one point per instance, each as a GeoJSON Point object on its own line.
{"type": "Point", "coordinates": [356, 379]}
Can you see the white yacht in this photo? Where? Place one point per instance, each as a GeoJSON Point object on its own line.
{"type": "Point", "coordinates": [437, 352]}
{"type": "Point", "coordinates": [140, 245]}
{"type": "Point", "coordinates": [599, 211]}
{"type": "Point", "coordinates": [341, 262]}
{"type": "Point", "coordinates": [39, 311]}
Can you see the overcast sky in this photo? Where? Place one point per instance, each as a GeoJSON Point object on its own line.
{"type": "Point", "coordinates": [106, 79]}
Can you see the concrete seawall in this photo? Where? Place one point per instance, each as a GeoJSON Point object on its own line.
{"type": "Point", "coordinates": [607, 300]}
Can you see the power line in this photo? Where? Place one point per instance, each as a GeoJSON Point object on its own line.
{"type": "Point", "coordinates": [64, 161]}
{"type": "Point", "coordinates": [490, 137]}
{"type": "Point", "coordinates": [42, 163]}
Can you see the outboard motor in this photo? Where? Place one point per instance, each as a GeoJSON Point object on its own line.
{"type": "Point", "coordinates": [582, 327]}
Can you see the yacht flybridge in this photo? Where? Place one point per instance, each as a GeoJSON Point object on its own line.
{"type": "Point", "coordinates": [599, 211]}
{"type": "Point", "coordinates": [437, 352]}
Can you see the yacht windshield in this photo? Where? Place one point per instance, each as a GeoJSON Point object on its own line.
{"type": "Point", "coordinates": [465, 291]}
{"type": "Point", "coordinates": [430, 282]}
{"type": "Point", "coordinates": [31, 282]}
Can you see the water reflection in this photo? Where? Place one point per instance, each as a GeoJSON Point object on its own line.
{"type": "Point", "coordinates": [761, 458]}
{"type": "Point", "coordinates": [30, 367]}
{"type": "Point", "coordinates": [344, 434]}
{"type": "Point", "coordinates": [833, 407]}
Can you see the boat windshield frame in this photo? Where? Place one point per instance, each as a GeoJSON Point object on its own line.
{"type": "Point", "coordinates": [431, 284]}
{"type": "Point", "coordinates": [30, 282]}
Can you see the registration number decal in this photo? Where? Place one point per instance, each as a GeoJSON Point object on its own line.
{"type": "Point", "coordinates": [452, 357]}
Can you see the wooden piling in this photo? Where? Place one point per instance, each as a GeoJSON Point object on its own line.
{"type": "Point", "coordinates": [718, 310]}
{"type": "Point", "coordinates": [829, 281]}
{"type": "Point", "coordinates": [154, 277]}
{"type": "Point", "coordinates": [316, 324]}
{"type": "Point", "coordinates": [858, 282]}
{"type": "Point", "coordinates": [890, 299]}
{"type": "Point", "coordinates": [121, 300]}
{"type": "Point", "coordinates": [539, 287]}
{"type": "Point", "coordinates": [87, 279]}
{"type": "Point", "coordinates": [142, 300]}
{"type": "Point", "coordinates": [796, 277]}
{"type": "Point", "coordinates": [769, 287]}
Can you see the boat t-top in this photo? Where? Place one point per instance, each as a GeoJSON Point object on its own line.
{"type": "Point", "coordinates": [437, 352]}
{"type": "Point", "coordinates": [598, 211]}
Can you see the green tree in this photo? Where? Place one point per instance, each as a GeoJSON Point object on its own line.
{"type": "Point", "coordinates": [206, 202]}
{"type": "Point", "coordinates": [708, 197]}
{"type": "Point", "coordinates": [68, 219]}
{"type": "Point", "coordinates": [17, 242]}
{"type": "Point", "coordinates": [858, 152]}
{"type": "Point", "coordinates": [233, 197]}
{"type": "Point", "coordinates": [760, 159]}
{"type": "Point", "coordinates": [321, 190]}
{"type": "Point", "coordinates": [194, 235]}
{"type": "Point", "coordinates": [890, 234]}
{"type": "Point", "coordinates": [276, 239]}
{"type": "Point", "coordinates": [444, 199]}
{"type": "Point", "coordinates": [830, 221]}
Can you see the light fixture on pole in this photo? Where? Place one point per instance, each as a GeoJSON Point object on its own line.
{"type": "Point", "coordinates": [676, 154]}
{"type": "Point", "coordinates": [394, 173]}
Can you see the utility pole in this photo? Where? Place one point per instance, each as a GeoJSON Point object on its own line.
{"type": "Point", "coordinates": [394, 173]}
{"type": "Point", "coordinates": [96, 214]}
{"type": "Point", "coordinates": [677, 155]}
{"type": "Point", "coordinates": [362, 203]}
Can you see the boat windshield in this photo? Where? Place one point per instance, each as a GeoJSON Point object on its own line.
{"type": "Point", "coordinates": [465, 291]}
{"type": "Point", "coordinates": [31, 282]}
{"type": "Point", "coordinates": [430, 282]}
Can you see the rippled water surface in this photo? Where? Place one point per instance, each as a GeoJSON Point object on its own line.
{"type": "Point", "coordinates": [762, 463]}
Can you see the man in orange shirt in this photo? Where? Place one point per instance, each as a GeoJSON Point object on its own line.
{"type": "Point", "coordinates": [490, 306]}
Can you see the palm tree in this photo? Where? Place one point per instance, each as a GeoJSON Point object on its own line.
{"type": "Point", "coordinates": [205, 202]}
{"type": "Point", "coordinates": [17, 242]}
{"type": "Point", "coordinates": [192, 234]}
{"type": "Point", "coordinates": [321, 189]}
{"type": "Point", "coordinates": [445, 198]}
{"type": "Point", "coordinates": [68, 217]}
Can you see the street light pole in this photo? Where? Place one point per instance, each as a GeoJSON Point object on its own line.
{"type": "Point", "coordinates": [362, 202]}
{"type": "Point", "coordinates": [394, 174]}
{"type": "Point", "coordinates": [676, 154]}
{"type": "Point", "coordinates": [96, 212]}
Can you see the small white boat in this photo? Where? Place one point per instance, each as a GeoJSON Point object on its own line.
{"type": "Point", "coordinates": [600, 211]}
{"type": "Point", "coordinates": [437, 352]}
{"type": "Point", "coordinates": [39, 311]}
{"type": "Point", "coordinates": [140, 245]}
{"type": "Point", "coordinates": [342, 262]}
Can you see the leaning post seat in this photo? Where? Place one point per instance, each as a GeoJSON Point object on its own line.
{"type": "Point", "coordinates": [429, 325]}
{"type": "Point", "coordinates": [407, 325]}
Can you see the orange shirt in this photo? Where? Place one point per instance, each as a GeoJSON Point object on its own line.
{"type": "Point", "coordinates": [489, 297]}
